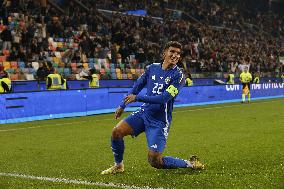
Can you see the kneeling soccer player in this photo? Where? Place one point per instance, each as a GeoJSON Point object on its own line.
{"type": "Point", "coordinates": [163, 83]}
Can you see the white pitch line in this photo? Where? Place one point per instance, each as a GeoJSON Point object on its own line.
{"type": "Point", "coordinates": [48, 125]}
{"type": "Point", "coordinates": [181, 111]}
{"type": "Point", "coordinates": [74, 181]}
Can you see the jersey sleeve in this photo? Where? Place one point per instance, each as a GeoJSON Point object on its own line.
{"type": "Point", "coordinates": [139, 85]}
{"type": "Point", "coordinates": [171, 92]}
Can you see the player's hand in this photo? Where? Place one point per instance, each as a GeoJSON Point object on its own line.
{"type": "Point", "coordinates": [118, 112]}
{"type": "Point", "coordinates": [129, 98]}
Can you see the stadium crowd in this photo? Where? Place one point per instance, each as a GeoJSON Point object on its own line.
{"type": "Point", "coordinates": [217, 37]}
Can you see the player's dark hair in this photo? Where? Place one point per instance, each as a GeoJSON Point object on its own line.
{"type": "Point", "coordinates": [173, 44]}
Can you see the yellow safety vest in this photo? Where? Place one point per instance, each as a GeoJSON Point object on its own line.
{"type": "Point", "coordinates": [55, 81]}
{"type": "Point", "coordinates": [231, 79]}
{"type": "Point", "coordinates": [95, 81]}
{"type": "Point", "coordinates": [7, 81]}
{"type": "Point", "coordinates": [188, 82]}
{"type": "Point", "coordinates": [64, 86]}
{"type": "Point", "coordinates": [245, 77]}
{"type": "Point", "coordinates": [256, 80]}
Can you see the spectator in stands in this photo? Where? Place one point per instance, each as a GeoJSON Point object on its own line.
{"type": "Point", "coordinates": [42, 71]}
{"type": "Point", "coordinates": [3, 73]}
{"type": "Point", "coordinates": [6, 36]}
{"type": "Point", "coordinates": [81, 73]}
{"type": "Point", "coordinates": [140, 57]}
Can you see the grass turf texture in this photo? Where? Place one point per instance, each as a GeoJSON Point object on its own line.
{"type": "Point", "coordinates": [242, 146]}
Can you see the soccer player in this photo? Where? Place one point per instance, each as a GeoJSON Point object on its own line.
{"type": "Point", "coordinates": [245, 79]}
{"type": "Point", "coordinates": [163, 83]}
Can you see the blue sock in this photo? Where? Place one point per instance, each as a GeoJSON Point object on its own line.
{"type": "Point", "coordinates": [117, 147]}
{"type": "Point", "coordinates": [172, 163]}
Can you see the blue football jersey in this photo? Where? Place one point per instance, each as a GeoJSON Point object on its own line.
{"type": "Point", "coordinates": [162, 88]}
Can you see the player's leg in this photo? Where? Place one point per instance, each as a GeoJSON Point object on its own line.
{"type": "Point", "coordinates": [156, 138]}
{"type": "Point", "coordinates": [158, 161]}
{"type": "Point", "coordinates": [132, 125]}
{"type": "Point", "coordinates": [243, 93]}
{"type": "Point", "coordinates": [121, 130]}
{"type": "Point", "coordinates": [248, 92]}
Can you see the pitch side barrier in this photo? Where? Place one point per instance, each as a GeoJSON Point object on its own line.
{"type": "Point", "coordinates": [21, 86]}
{"type": "Point", "coordinates": [30, 106]}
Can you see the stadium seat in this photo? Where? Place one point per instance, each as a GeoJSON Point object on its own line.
{"type": "Point", "coordinates": [60, 70]}
{"type": "Point", "coordinates": [56, 60]}
{"type": "Point", "coordinates": [117, 70]}
{"type": "Point", "coordinates": [14, 65]}
{"type": "Point", "coordinates": [59, 44]}
{"type": "Point", "coordinates": [127, 70]}
{"type": "Point", "coordinates": [32, 71]}
{"type": "Point", "coordinates": [61, 65]}
{"type": "Point", "coordinates": [124, 76]}
{"type": "Point", "coordinates": [91, 60]}
{"type": "Point", "coordinates": [112, 66]}
{"type": "Point", "coordinates": [10, 70]}
{"type": "Point", "coordinates": [6, 65]}
{"type": "Point", "coordinates": [29, 77]}
{"type": "Point", "coordinates": [2, 58]}
{"type": "Point", "coordinates": [24, 70]}
{"type": "Point", "coordinates": [91, 65]}
{"type": "Point", "coordinates": [129, 76]}
{"type": "Point", "coordinates": [86, 65]}
{"type": "Point", "coordinates": [108, 71]}
{"type": "Point", "coordinates": [112, 70]}
{"type": "Point", "coordinates": [119, 76]}
{"type": "Point", "coordinates": [132, 71]}
{"type": "Point", "coordinates": [21, 64]}
{"type": "Point", "coordinates": [113, 76]}
{"type": "Point", "coordinates": [122, 66]}
{"type": "Point", "coordinates": [55, 65]}
{"type": "Point", "coordinates": [67, 71]}
{"type": "Point", "coordinates": [14, 77]}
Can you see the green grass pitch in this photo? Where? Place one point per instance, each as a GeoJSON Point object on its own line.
{"type": "Point", "coordinates": [242, 146]}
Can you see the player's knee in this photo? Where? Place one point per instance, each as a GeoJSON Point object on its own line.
{"type": "Point", "coordinates": [155, 161]}
{"type": "Point", "coordinates": [117, 133]}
